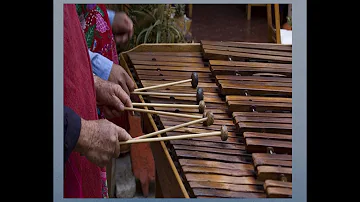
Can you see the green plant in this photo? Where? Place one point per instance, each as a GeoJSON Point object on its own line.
{"type": "Point", "coordinates": [153, 24]}
{"type": "Point", "coordinates": [179, 10]}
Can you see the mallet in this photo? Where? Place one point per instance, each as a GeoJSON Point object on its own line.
{"type": "Point", "coordinates": [223, 134]}
{"type": "Point", "coordinates": [194, 82]}
{"type": "Point", "coordinates": [199, 94]}
{"type": "Point", "coordinates": [162, 113]}
{"type": "Point", "coordinates": [201, 106]}
{"type": "Point", "coordinates": [208, 120]}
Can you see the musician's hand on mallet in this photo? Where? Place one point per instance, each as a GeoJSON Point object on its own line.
{"type": "Point", "coordinates": [99, 141]}
{"type": "Point", "coordinates": [119, 76]}
{"type": "Point", "coordinates": [110, 97]}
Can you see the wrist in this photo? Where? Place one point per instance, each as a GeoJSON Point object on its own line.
{"type": "Point", "coordinates": [86, 133]}
{"type": "Point", "coordinates": [97, 83]}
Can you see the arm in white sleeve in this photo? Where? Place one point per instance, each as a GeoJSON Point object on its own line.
{"type": "Point", "coordinates": [111, 15]}
{"type": "Point", "coordinates": [101, 66]}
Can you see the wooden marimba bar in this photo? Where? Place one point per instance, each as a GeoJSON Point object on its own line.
{"type": "Point", "coordinates": [240, 100]}
{"type": "Point", "coordinates": [258, 92]}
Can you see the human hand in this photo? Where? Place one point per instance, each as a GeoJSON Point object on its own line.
{"type": "Point", "coordinates": [119, 76]}
{"type": "Point", "coordinates": [110, 97]}
{"type": "Point", "coordinates": [99, 141]}
{"type": "Point", "coordinates": [122, 28]}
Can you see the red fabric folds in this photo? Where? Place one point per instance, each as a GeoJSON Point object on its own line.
{"type": "Point", "coordinates": [81, 177]}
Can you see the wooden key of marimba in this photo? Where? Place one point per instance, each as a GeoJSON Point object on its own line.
{"type": "Point", "coordinates": [278, 189]}
{"type": "Point", "coordinates": [262, 104]}
{"type": "Point", "coordinates": [236, 51]}
{"type": "Point", "coordinates": [259, 142]}
{"type": "Point", "coordinates": [255, 90]}
{"type": "Point", "coordinates": [263, 79]}
{"type": "Point", "coordinates": [273, 166]}
{"type": "Point", "coordinates": [248, 68]}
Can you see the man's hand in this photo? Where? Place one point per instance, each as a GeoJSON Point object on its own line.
{"type": "Point", "coordinates": [110, 97]}
{"type": "Point", "coordinates": [99, 141]}
{"type": "Point", "coordinates": [122, 28]}
{"type": "Point", "coordinates": [119, 76]}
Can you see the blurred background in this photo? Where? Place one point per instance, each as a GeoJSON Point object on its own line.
{"type": "Point", "coordinates": [187, 23]}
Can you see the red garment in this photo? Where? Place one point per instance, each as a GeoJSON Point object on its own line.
{"type": "Point", "coordinates": [81, 177]}
{"type": "Point", "coordinates": [100, 39]}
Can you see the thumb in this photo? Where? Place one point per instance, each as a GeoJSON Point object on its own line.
{"type": "Point", "coordinates": [123, 135]}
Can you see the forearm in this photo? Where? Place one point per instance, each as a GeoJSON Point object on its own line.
{"type": "Point", "coordinates": [101, 66]}
{"type": "Point", "coordinates": [72, 128]}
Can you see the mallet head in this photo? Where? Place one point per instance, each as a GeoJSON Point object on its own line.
{"type": "Point", "coordinates": [210, 119]}
{"type": "Point", "coordinates": [194, 79]}
{"type": "Point", "coordinates": [199, 95]}
{"type": "Point", "coordinates": [224, 133]}
{"type": "Point", "coordinates": [202, 106]}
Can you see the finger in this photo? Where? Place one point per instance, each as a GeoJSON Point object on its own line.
{"type": "Point", "coordinates": [116, 113]}
{"type": "Point", "coordinates": [124, 98]}
{"type": "Point", "coordinates": [107, 112]}
{"type": "Point", "coordinates": [129, 83]}
{"type": "Point", "coordinates": [120, 99]}
{"type": "Point", "coordinates": [117, 150]}
{"type": "Point", "coordinates": [130, 25]}
{"type": "Point", "coordinates": [105, 160]}
{"type": "Point", "coordinates": [121, 38]}
{"type": "Point", "coordinates": [117, 103]}
{"type": "Point", "coordinates": [125, 87]}
{"type": "Point", "coordinates": [125, 38]}
{"type": "Point", "coordinates": [123, 135]}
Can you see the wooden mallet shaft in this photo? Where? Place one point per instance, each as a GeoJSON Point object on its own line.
{"type": "Point", "coordinates": [199, 94]}
{"type": "Point", "coordinates": [207, 121]}
{"type": "Point", "coordinates": [164, 94]}
{"type": "Point", "coordinates": [162, 113]}
{"type": "Point", "coordinates": [201, 106]}
{"type": "Point", "coordinates": [223, 134]}
{"type": "Point", "coordinates": [194, 82]}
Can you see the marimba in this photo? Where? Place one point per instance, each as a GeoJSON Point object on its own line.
{"type": "Point", "coordinates": [247, 91]}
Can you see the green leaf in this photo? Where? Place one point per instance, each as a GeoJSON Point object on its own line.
{"type": "Point", "coordinates": [139, 36]}
{"type": "Point", "coordinates": [100, 11]}
{"type": "Point", "coordinates": [158, 36]}
{"type": "Point", "coordinates": [89, 35]}
{"type": "Point", "coordinates": [78, 9]}
{"type": "Point", "coordinates": [176, 31]}
{"type": "Point", "coordinates": [148, 32]}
